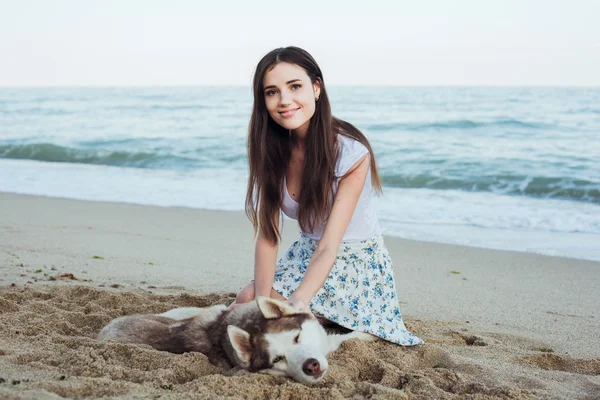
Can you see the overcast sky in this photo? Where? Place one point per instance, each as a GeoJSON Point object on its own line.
{"type": "Point", "coordinates": [195, 42]}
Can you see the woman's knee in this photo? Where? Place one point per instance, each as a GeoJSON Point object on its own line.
{"type": "Point", "coordinates": [246, 294]}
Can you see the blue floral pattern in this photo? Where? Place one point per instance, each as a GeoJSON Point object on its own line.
{"type": "Point", "coordinates": [360, 291]}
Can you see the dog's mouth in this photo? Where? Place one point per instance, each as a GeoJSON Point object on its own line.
{"type": "Point", "coordinates": [311, 380]}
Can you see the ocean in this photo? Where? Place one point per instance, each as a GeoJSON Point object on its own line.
{"type": "Point", "coordinates": [503, 168]}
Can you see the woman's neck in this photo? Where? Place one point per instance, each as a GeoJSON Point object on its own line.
{"type": "Point", "coordinates": [299, 135]}
{"type": "Point", "coordinates": [298, 141]}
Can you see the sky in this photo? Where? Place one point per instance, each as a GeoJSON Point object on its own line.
{"type": "Point", "coordinates": [377, 42]}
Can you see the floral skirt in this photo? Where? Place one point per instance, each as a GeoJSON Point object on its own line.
{"type": "Point", "coordinates": [359, 293]}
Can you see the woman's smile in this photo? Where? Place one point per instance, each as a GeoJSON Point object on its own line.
{"type": "Point", "coordinates": [288, 113]}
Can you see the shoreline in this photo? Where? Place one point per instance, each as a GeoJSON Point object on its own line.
{"type": "Point", "coordinates": [469, 231]}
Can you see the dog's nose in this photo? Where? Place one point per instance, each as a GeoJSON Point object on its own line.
{"type": "Point", "coordinates": [311, 367]}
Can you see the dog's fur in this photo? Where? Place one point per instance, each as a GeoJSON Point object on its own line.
{"type": "Point", "coordinates": [265, 335]}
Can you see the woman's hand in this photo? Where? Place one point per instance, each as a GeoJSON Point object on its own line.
{"type": "Point", "coordinates": [299, 305]}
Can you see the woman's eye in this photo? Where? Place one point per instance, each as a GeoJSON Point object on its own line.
{"type": "Point", "coordinates": [296, 86]}
{"type": "Point", "coordinates": [270, 92]}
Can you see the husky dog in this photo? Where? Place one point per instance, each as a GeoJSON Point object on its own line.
{"type": "Point", "coordinates": [265, 335]}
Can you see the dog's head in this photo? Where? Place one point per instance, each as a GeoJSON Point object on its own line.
{"type": "Point", "coordinates": [284, 342]}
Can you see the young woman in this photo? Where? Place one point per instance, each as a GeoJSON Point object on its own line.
{"type": "Point", "coordinates": [319, 170]}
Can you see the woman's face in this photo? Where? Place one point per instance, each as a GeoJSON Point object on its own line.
{"type": "Point", "coordinates": [290, 96]}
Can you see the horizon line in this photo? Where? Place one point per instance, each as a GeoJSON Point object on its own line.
{"type": "Point", "coordinates": [100, 86]}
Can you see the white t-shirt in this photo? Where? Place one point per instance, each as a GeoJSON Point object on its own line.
{"type": "Point", "coordinates": [363, 224]}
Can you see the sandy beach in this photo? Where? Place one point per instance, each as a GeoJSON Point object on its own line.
{"type": "Point", "coordinates": [497, 324]}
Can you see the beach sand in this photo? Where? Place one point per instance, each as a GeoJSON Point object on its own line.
{"type": "Point", "coordinates": [496, 324]}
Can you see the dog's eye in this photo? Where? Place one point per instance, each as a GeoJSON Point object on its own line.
{"type": "Point", "coordinates": [278, 359]}
{"type": "Point", "coordinates": [297, 338]}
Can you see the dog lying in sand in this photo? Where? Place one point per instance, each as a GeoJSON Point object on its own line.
{"type": "Point", "coordinates": [266, 335]}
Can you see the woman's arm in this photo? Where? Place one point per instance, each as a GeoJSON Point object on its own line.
{"type": "Point", "coordinates": [265, 259]}
{"type": "Point", "coordinates": [346, 198]}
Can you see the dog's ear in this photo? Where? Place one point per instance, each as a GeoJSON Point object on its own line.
{"type": "Point", "coordinates": [240, 341]}
{"type": "Point", "coordinates": [273, 309]}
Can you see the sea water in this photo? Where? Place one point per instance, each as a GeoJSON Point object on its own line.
{"type": "Point", "coordinates": [506, 168]}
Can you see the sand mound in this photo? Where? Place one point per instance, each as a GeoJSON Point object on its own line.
{"type": "Point", "coordinates": [48, 350]}
{"type": "Point", "coordinates": [553, 362]}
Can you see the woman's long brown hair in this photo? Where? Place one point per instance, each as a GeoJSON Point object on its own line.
{"type": "Point", "coordinates": [270, 148]}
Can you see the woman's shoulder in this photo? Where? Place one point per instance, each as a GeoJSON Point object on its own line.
{"type": "Point", "coordinates": [349, 144]}
{"type": "Point", "coordinates": [350, 151]}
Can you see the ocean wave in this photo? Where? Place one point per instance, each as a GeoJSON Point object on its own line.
{"type": "Point", "coordinates": [211, 155]}
{"type": "Point", "coordinates": [176, 107]}
{"type": "Point", "coordinates": [160, 107]}
{"type": "Point", "coordinates": [118, 142]}
{"type": "Point", "coordinates": [541, 187]}
{"type": "Point", "coordinates": [454, 125]}
{"type": "Point", "coordinates": [36, 111]}
{"type": "Point", "coordinates": [54, 153]}
{"type": "Point", "coordinates": [585, 110]}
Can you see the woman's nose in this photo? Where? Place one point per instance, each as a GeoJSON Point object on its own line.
{"type": "Point", "coordinates": [285, 98]}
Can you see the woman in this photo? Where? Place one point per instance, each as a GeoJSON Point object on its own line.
{"type": "Point", "coordinates": [321, 171]}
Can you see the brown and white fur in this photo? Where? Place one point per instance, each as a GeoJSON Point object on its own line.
{"type": "Point", "coordinates": [265, 335]}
